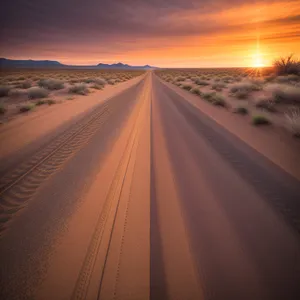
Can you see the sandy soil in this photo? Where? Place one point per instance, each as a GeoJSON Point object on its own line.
{"type": "Point", "coordinates": [149, 195]}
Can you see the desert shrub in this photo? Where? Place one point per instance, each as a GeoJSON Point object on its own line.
{"type": "Point", "coordinates": [241, 94]}
{"type": "Point", "coordinates": [100, 81]}
{"type": "Point", "coordinates": [293, 120]}
{"type": "Point", "coordinates": [2, 109]}
{"type": "Point", "coordinates": [246, 86]}
{"type": "Point", "coordinates": [50, 101]}
{"type": "Point", "coordinates": [285, 93]}
{"type": "Point", "coordinates": [4, 90]}
{"type": "Point", "coordinates": [292, 78]}
{"type": "Point", "coordinates": [218, 86]}
{"type": "Point", "coordinates": [266, 103]}
{"type": "Point", "coordinates": [260, 120]}
{"type": "Point", "coordinates": [286, 65]}
{"type": "Point", "coordinates": [218, 100]}
{"type": "Point", "coordinates": [51, 84]}
{"type": "Point", "coordinates": [79, 89]}
{"type": "Point", "coordinates": [27, 107]}
{"type": "Point", "coordinates": [187, 87]}
{"type": "Point", "coordinates": [241, 110]}
{"type": "Point", "coordinates": [111, 81]}
{"type": "Point", "coordinates": [196, 91]}
{"type": "Point", "coordinates": [25, 84]}
{"type": "Point", "coordinates": [40, 102]}
{"type": "Point", "coordinates": [37, 92]}
{"type": "Point", "coordinates": [97, 86]}
{"type": "Point", "coordinates": [201, 82]}
{"type": "Point", "coordinates": [208, 96]}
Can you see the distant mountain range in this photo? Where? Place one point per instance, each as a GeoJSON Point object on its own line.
{"type": "Point", "coordinates": [11, 63]}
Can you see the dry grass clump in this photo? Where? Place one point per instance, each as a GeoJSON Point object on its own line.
{"type": "Point", "coordinates": [240, 110]}
{"type": "Point", "coordinates": [285, 93]}
{"type": "Point", "coordinates": [258, 120]}
{"type": "Point", "coordinates": [202, 82]}
{"type": "Point", "coordinates": [218, 86]}
{"type": "Point", "coordinates": [196, 91]}
{"type": "Point", "coordinates": [266, 103]}
{"type": "Point", "coordinates": [293, 120]}
{"type": "Point", "coordinates": [286, 65]}
{"type": "Point", "coordinates": [4, 90]}
{"type": "Point", "coordinates": [187, 86]}
{"type": "Point", "coordinates": [24, 85]}
{"type": "Point", "coordinates": [2, 109]}
{"type": "Point", "coordinates": [79, 89]}
{"type": "Point", "coordinates": [51, 84]}
{"type": "Point", "coordinates": [97, 86]}
{"type": "Point", "coordinates": [37, 92]}
{"type": "Point", "coordinates": [241, 90]}
{"type": "Point", "coordinates": [27, 107]}
{"type": "Point", "coordinates": [111, 81]}
{"type": "Point", "coordinates": [289, 79]}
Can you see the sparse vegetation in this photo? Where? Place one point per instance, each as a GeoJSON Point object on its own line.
{"type": "Point", "coordinates": [4, 91]}
{"type": "Point", "coordinates": [241, 110]}
{"type": "Point", "coordinates": [187, 87]}
{"type": "Point", "coordinates": [37, 92]}
{"type": "Point", "coordinates": [51, 84]}
{"type": "Point", "coordinates": [293, 120]}
{"type": "Point", "coordinates": [50, 101]}
{"type": "Point", "coordinates": [2, 109]}
{"type": "Point", "coordinates": [287, 65]}
{"type": "Point", "coordinates": [79, 89]}
{"type": "Point", "coordinates": [196, 91]}
{"type": "Point", "coordinates": [285, 93]}
{"type": "Point", "coordinates": [266, 103]}
{"type": "Point", "coordinates": [25, 84]}
{"type": "Point", "coordinates": [27, 107]}
{"type": "Point", "coordinates": [260, 120]}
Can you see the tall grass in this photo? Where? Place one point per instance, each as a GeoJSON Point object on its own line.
{"type": "Point", "coordinates": [286, 65]}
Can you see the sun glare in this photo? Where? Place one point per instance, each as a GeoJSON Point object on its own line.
{"type": "Point", "coordinates": [258, 61]}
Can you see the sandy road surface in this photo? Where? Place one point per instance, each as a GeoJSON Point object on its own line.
{"type": "Point", "coordinates": [146, 197]}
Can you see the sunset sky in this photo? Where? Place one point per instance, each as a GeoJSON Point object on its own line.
{"type": "Point", "coordinates": [164, 33]}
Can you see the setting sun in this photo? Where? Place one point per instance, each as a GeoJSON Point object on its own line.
{"type": "Point", "coordinates": [258, 61]}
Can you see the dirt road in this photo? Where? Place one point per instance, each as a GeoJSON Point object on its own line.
{"type": "Point", "coordinates": [145, 196]}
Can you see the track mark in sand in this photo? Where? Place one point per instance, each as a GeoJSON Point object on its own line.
{"type": "Point", "coordinates": [110, 208]}
{"type": "Point", "coordinates": [18, 186]}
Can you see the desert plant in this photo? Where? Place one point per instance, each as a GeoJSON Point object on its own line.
{"type": "Point", "coordinates": [51, 84]}
{"type": "Point", "coordinates": [50, 101]}
{"type": "Point", "coordinates": [79, 89]}
{"type": "Point", "coordinates": [196, 91]}
{"type": "Point", "coordinates": [218, 100]}
{"type": "Point", "coordinates": [286, 65]}
{"type": "Point", "coordinates": [187, 87]}
{"type": "Point", "coordinates": [208, 96]}
{"type": "Point", "coordinates": [2, 109]}
{"type": "Point", "coordinates": [293, 120]}
{"type": "Point", "coordinates": [284, 93]}
{"type": "Point", "coordinates": [25, 84]}
{"type": "Point", "coordinates": [111, 81]}
{"type": "Point", "coordinates": [266, 103]}
{"type": "Point", "coordinates": [201, 82]}
{"type": "Point", "coordinates": [260, 120]}
{"type": "Point", "coordinates": [97, 86]}
{"type": "Point", "coordinates": [27, 107]}
{"type": "Point", "coordinates": [218, 86]}
{"type": "Point", "coordinates": [4, 90]}
{"type": "Point", "coordinates": [40, 102]}
{"type": "Point", "coordinates": [37, 92]}
{"type": "Point", "coordinates": [241, 110]}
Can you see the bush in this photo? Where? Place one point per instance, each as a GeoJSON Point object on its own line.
{"type": "Point", "coordinates": [244, 86]}
{"type": "Point", "coordinates": [111, 81]}
{"type": "Point", "coordinates": [218, 86]}
{"type": "Point", "coordinates": [218, 100]}
{"type": "Point", "coordinates": [79, 89]}
{"type": "Point", "coordinates": [51, 84]}
{"type": "Point", "coordinates": [293, 120]}
{"type": "Point", "coordinates": [27, 107]}
{"type": "Point", "coordinates": [196, 91]}
{"type": "Point", "coordinates": [50, 101]}
{"type": "Point", "coordinates": [97, 86]}
{"type": "Point", "coordinates": [284, 93]}
{"type": "Point", "coordinates": [40, 102]}
{"type": "Point", "coordinates": [37, 92]}
{"type": "Point", "coordinates": [180, 78]}
{"type": "Point", "coordinates": [292, 78]}
{"type": "Point", "coordinates": [24, 85]}
{"type": "Point", "coordinates": [201, 82]}
{"type": "Point", "coordinates": [241, 94]}
{"type": "Point", "coordinates": [260, 120]}
{"type": "Point", "coordinates": [187, 87]}
{"type": "Point", "coordinates": [241, 110]}
{"type": "Point", "coordinates": [208, 96]}
{"type": "Point", "coordinates": [2, 109]}
{"type": "Point", "coordinates": [266, 104]}
{"type": "Point", "coordinates": [286, 65]}
{"type": "Point", "coordinates": [4, 90]}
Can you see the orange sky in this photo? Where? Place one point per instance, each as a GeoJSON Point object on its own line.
{"type": "Point", "coordinates": [247, 34]}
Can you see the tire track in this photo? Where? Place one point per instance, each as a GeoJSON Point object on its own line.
{"type": "Point", "coordinates": [19, 185]}
{"type": "Point", "coordinates": [110, 207]}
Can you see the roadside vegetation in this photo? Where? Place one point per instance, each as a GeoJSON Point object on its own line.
{"type": "Point", "coordinates": [265, 96]}
{"type": "Point", "coordinates": [22, 90]}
